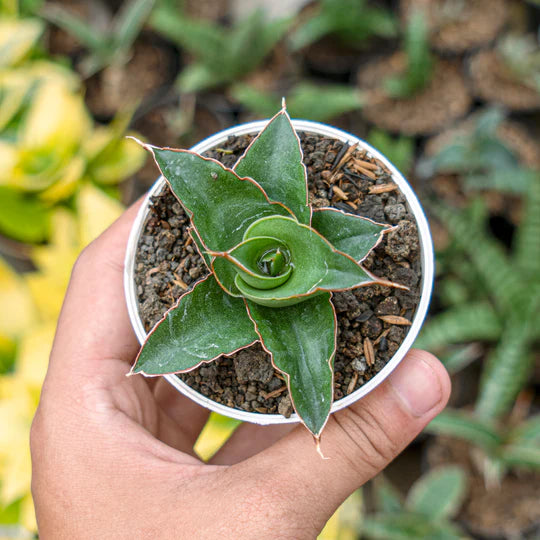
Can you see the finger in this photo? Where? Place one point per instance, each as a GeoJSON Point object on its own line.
{"type": "Point", "coordinates": [248, 440]}
{"type": "Point", "coordinates": [358, 441]}
{"type": "Point", "coordinates": [186, 416]}
{"type": "Point", "coordinates": [94, 322]}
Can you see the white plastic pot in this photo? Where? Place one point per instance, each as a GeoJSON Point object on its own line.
{"type": "Point", "coordinates": [427, 263]}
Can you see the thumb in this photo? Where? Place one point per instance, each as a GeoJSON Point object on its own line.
{"type": "Point", "coordinates": [358, 441]}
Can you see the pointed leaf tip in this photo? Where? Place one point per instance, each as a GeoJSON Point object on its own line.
{"type": "Point", "coordinates": [205, 324]}
{"type": "Point", "coordinates": [274, 160]}
{"type": "Point", "coordinates": [301, 340]}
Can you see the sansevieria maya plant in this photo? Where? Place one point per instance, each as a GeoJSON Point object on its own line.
{"type": "Point", "coordinates": [274, 262]}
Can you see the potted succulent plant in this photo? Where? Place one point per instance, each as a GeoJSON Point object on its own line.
{"type": "Point", "coordinates": [246, 260]}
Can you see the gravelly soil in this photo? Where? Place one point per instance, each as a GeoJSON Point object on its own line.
{"type": "Point", "coordinates": [168, 264]}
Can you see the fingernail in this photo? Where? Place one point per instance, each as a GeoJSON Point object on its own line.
{"type": "Point", "coordinates": [417, 385]}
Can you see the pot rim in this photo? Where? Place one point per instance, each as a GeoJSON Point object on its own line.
{"type": "Point", "coordinates": [427, 263]}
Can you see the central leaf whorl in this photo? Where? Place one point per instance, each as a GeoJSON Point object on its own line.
{"type": "Point", "coordinates": [273, 262]}
{"type": "Point", "coordinates": [264, 262]}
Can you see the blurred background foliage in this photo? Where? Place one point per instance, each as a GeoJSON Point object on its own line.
{"type": "Point", "coordinates": [449, 90]}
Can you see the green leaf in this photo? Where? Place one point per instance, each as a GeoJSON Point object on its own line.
{"type": "Point", "coordinates": [205, 324]}
{"type": "Point", "coordinates": [408, 526]}
{"type": "Point", "coordinates": [508, 180]}
{"type": "Point", "coordinates": [274, 161]}
{"type": "Point", "coordinates": [507, 370]}
{"type": "Point", "coordinates": [387, 497]}
{"type": "Point", "coordinates": [353, 235]}
{"type": "Point", "coordinates": [306, 100]}
{"type": "Point", "coordinates": [8, 355]}
{"type": "Point", "coordinates": [524, 456]}
{"type": "Point", "coordinates": [316, 265]}
{"type": "Point", "coordinates": [129, 22]}
{"type": "Point", "coordinates": [323, 102]}
{"type": "Point", "coordinates": [526, 432]}
{"type": "Point", "coordinates": [302, 340]}
{"type": "Point", "coordinates": [463, 425]}
{"type": "Point", "coordinates": [419, 60]}
{"type": "Point", "coordinates": [254, 271]}
{"type": "Point", "coordinates": [221, 205]}
{"type": "Point", "coordinates": [197, 77]}
{"type": "Point", "coordinates": [399, 150]}
{"type": "Point", "coordinates": [200, 248]}
{"type": "Point", "coordinates": [468, 322]}
{"type": "Point", "coordinates": [460, 357]}
{"type": "Point", "coordinates": [351, 20]}
{"type": "Point", "coordinates": [22, 217]}
{"type": "Point", "coordinates": [439, 493]}
{"type": "Point", "coordinates": [487, 255]}
{"type": "Point", "coordinates": [197, 36]}
{"type": "Point", "coordinates": [78, 28]}
{"type": "Point", "coordinates": [310, 32]}
{"type": "Point", "coordinates": [262, 103]}
{"type": "Point", "coordinates": [528, 233]}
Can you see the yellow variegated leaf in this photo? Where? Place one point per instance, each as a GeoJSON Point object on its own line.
{"type": "Point", "coordinates": [17, 37]}
{"type": "Point", "coordinates": [18, 403]}
{"type": "Point", "coordinates": [48, 294]}
{"type": "Point", "coordinates": [216, 431]}
{"type": "Point", "coordinates": [8, 160]}
{"type": "Point", "coordinates": [57, 120]}
{"type": "Point", "coordinates": [13, 89]}
{"type": "Point", "coordinates": [67, 184]}
{"type": "Point", "coordinates": [46, 71]}
{"type": "Point", "coordinates": [104, 136]}
{"type": "Point", "coordinates": [54, 261]}
{"type": "Point", "coordinates": [346, 521]}
{"type": "Point", "coordinates": [96, 211]}
{"type": "Point", "coordinates": [18, 312]}
{"type": "Point", "coordinates": [28, 513]}
{"type": "Point", "coordinates": [17, 474]}
{"type": "Point", "coordinates": [6, 344]}
{"type": "Point", "coordinates": [34, 351]}
{"type": "Point", "coordinates": [121, 160]}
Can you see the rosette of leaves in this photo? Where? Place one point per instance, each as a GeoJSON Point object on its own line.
{"type": "Point", "coordinates": [274, 262]}
{"type": "Point", "coordinates": [482, 157]}
{"type": "Point", "coordinates": [352, 21]}
{"type": "Point", "coordinates": [426, 512]}
{"type": "Point", "coordinates": [521, 54]}
{"type": "Point", "coordinates": [420, 61]}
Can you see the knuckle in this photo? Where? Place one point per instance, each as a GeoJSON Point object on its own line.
{"type": "Point", "coordinates": [368, 444]}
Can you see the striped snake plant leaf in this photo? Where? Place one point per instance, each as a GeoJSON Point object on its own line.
{"type": "Point", "coordinates": [463, 425]}
{"type": "Point", "coordinates": [461, 324]}
{"type": "Point", "coordinates": [507, 369]}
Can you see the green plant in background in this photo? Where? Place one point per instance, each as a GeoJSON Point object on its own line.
{"type": "Point", "coordinates": [305, 100]}
{"type": "Point", "coordinates": [419, 60]}
{"type": "Point", "coordinates": [108, 39]}
{"type": "Point", "coordinates": [521, 53]}
{"type": "Point", "coordinates": [500, 447]}
{"type": "Point", "coordinates": [19, 8]}
{"type": "Point", "coordinates": [481, 157]}
{"type": "Point", "coordinates": [49, 145]}
{"type": "Point", "coordinates": [498, 301]}
{"type": "Point", "coordinates": [426, 512]}
{"type": "Point", "coordinates": [222, 54]}
{"type": "Point", "coordinates": [399, 150]}
{"type": "Point", "coordinates": [273, 261]}
{"type": "Point", "coordinates": [352, 21]}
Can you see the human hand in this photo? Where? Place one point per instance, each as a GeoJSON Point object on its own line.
{"type": "Point", "coordinates": [113, 455]}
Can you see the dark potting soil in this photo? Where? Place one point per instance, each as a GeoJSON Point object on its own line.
{"type": "Point", "coordinates": [168, 264]}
